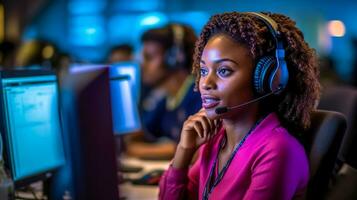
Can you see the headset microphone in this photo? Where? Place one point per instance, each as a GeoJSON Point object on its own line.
{"type": "Point", "coordinates": [224, 109]}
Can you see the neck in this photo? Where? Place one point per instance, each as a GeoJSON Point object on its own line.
{"type": "Point", "coordinates": [237, 128]}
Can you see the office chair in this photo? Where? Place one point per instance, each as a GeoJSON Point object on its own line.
{"type": "Point", "coordinates": [322, 142]}
{"type": "Point", "coordinates": [343, 99]}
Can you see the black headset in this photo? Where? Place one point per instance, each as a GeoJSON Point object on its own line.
{"type": "Point", "coordinates": [175, 56]}
{"type": "Point", "coordinates": [271, 72]}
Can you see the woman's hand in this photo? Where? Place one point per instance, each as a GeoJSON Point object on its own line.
{"type": "Point", "coordinates": [197, 130]}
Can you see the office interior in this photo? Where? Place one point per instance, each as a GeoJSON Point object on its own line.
{"type": "Point", "coordinates": [55, 69]}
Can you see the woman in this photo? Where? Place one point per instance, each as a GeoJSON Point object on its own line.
{"type": "Point", "coordinates": [258, 83]}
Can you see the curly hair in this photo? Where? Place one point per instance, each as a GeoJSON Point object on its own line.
{"type": "Point", "coordinates": [294, 105]}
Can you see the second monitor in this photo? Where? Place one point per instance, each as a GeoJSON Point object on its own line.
{"type": "Point", "coordinates": [124, 91]}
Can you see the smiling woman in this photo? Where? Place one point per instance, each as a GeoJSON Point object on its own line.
{"type": "Point", "coordinates": [258, 83]}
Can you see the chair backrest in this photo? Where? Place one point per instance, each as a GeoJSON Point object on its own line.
{"type": "Point", "coordinates": [343, 99]}
{"type": "Point", "coordinates": [322, 142]}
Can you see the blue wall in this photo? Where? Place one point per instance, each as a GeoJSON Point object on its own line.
{"type": "Point", "coordinates": [88, 28]}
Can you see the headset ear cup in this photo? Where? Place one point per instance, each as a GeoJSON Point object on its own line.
{"type": "Point", "coordinates": [282, 77]}
{"type": "Point", "coordinates": [261, 74]}
{"type": "Point", "coordinates": [175, 58]}
{"type": "Point", "coordinates": [170, 58]}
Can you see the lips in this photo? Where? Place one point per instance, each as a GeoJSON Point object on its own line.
{"type": "Point", "coordinates": [209, 101]}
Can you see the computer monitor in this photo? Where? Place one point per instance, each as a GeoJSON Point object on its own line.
{"type": "Point", "coordinates": [30, 124]}
{"type": "Point", "coordinates": [124, 91]}
{"type": "Point", "coordinates": [89, 138]}
{"type": "Point", "coordinates": [131, 69]}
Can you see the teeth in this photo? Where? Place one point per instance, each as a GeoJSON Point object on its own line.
{"type": "Point", "coordinates": [210, 100]}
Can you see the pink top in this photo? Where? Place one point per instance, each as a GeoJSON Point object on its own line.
{"type": "Point", "coordinates": [271, 164]}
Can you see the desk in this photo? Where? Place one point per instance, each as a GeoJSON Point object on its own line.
{"type": "Point", "coordinates": [138, 192]}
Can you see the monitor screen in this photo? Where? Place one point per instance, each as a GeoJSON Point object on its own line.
{"type": "Point", "coordinates": [124, 91]}
{"type": "Point", "coordinates": [132, 70]}
{"type": "Point", "coordinates": [31, 123]}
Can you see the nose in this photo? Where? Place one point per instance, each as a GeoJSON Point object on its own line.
{"type": "Point", "coordinates": [208, 82]}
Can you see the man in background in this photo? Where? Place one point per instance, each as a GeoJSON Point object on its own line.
{"type": "Point", "coordinates": [120, 53]}
{"type": "Point", "coordinates": [168, 96]}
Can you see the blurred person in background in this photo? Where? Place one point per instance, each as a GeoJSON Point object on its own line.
{"type": "Point", "coordinates": [120, 53]}
{"type": "Point", "coordinates": [36, 53]}
{"type": "Point", "coordinates": [168, 96]}
{"type": "Point", "coordinates": [42, 54]}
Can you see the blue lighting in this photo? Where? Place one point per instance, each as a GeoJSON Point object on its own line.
{"type": "Point", "coordinates": [30, 33]}
{"type": "Point", "coordinates": [152, 19]}
{"type": "Point", "coordinates": [91, 31]}
{"type": "Point", "coordinates": [137, 5]}
{"type": "Point", "coordinates": [77, 68]}
{"type": "Point", "coordinates": [127, 28]}
{"type": "Point", "coordinates": [200, 18]}
{"type": "Point", "coordinates": [122, 28]}
{"type": "Point", "coordinates": [87, 30]}
{"type": "Point", "coordinates": [86, 7]}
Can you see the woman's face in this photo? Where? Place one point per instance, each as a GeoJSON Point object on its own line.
{"type": "Point", "coordinates": [226, 75]}
{"type": "Point", "coordinates": [153, 69]}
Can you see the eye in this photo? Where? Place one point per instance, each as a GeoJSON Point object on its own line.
{"type": "Point", "coordinates": [224, 72]}
{"type": "Point", "coordinates": [203, 71]}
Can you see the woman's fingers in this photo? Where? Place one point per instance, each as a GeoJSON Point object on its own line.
{"type": "Point", "coordinates": [199, 128]}
{"type": "Point", "coordinates": [202, 113]}
{"type": "Point", "coordinates": [207, 124]}
{"type": "Point", "coordinates": [200, 125]}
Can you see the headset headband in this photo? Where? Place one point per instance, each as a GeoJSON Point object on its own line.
{"type": "Point", "coordinates": [178, 33]}
{"type": "Point", "coordinates": [272, 26]}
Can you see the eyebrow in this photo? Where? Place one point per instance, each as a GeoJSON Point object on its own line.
{"type": "Point", "coordinates": [221, 60]}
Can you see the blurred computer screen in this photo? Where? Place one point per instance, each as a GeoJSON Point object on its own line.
{"type": "Point", "coordinates": [30, 124]}
{"type": "Point", "coordinates": [124, 91]}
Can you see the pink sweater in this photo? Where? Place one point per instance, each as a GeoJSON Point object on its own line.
{"type": "Point", "coordinates": [271, 164]}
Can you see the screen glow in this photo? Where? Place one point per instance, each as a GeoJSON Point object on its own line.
{"type": "Point", "coordinates": [33, 125]}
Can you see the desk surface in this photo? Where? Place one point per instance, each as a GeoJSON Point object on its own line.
{"type": "Point", "coordinates": [133, 192]}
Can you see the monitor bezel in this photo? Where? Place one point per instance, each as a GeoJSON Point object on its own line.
{"type": "Point", "coordinates": [86, 114]}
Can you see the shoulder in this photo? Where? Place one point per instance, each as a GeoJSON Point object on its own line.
{"type": "Point", "coordinates": [278, 141]}
{"type": "Point", "coordinates": [270, 135]}
{"type": "Point", "coordinates": [271, 141]}
{"type": "Point", "coordinates": [279, 156]}
{"type": "Point", "coordinates": [281, 139]}
{"type": "Point", "coordinates": [278, 149]}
